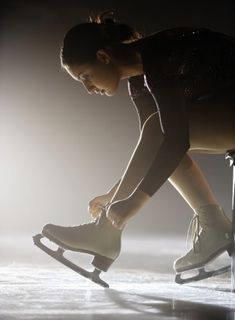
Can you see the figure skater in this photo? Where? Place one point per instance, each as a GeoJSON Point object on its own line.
{"type": "Point", "coordinates": [182, 83]}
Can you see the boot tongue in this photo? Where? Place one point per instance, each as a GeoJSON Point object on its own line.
{"type": "Point", "coordinates": [193, 232]}
{"type": "Point", "coordinates": [103, 221]}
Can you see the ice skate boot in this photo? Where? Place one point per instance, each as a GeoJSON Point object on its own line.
{"type": "Point", "coordinates": [98, 238]}
{"type": "Point", "coordinates": [211, 236]}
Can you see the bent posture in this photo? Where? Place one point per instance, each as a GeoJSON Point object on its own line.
{"type": "Point", "coordinates": [182, 83]}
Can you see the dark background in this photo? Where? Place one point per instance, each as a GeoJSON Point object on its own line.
{"type": "Point", "coordinates": [59, 146]}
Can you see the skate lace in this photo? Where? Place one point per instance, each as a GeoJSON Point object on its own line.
{"type": "Point", "coordinates": [101, 217]}
{"type": "Point", "coordinates": [83, 224]}
{"type": "Point", "coordinates": [92, 222]}
{"type": "Point", "coordinates": [197, 228]}
{"type": "Point", "coordinates": [98, 220]}
{"type": "Point", "coordinates": [194, 234]}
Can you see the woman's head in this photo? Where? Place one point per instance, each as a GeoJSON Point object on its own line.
{"type": "Point", "coordinates": [91, 53]}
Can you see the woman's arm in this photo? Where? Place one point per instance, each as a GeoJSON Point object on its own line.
{"type": "Point", "coordinates": [164, 142]}
{"type": "Point", "coordinates": [150, 135]}
{"type": "Point", "coordinates": [168, 141]}
{"type": "Point", "coordinates": [174, 123]}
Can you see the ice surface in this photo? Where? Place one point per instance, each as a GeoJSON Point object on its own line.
{"type": "Point", "coordinates": [141, 283]}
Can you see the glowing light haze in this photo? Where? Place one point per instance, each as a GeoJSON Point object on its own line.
{"type": "Point", "coordinates": [59, 146]}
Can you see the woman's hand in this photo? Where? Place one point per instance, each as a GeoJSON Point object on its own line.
{"type": "Point", "coordinates": [97, 205]}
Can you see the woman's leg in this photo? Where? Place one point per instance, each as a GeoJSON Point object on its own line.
{"type": "Point", "coordinates": [190, 182]}
{"type": "Point", "coordinates": [211, 229]}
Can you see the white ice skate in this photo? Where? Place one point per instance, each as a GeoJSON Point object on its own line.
{"type": "Point", "coordinates": [98, 238]}
{"type": "Point", "coordinates": [211, 236]}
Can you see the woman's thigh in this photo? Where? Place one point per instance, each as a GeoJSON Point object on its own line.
{"type": "Point", "coordinates": [212, 123]}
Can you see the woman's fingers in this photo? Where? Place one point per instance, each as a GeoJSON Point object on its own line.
{"type": "Point", "coordinates": [95, 209]}
{"type": "Point", "coordinates": [98, 204]}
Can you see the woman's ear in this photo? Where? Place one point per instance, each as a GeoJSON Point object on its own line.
{"type": "Point", "coordinates": [103, 56]}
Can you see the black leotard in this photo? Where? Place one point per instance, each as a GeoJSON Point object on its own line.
{"type": "Point", "coordinates": [180, 65]}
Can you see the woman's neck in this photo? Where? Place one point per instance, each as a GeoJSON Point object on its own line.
{"type": "Point", "coordinates": [131, 70]}
{"type": "Point", "coordinates": [131, 64]}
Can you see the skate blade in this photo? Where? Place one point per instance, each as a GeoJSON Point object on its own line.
{"type": "Point", "coordinates": [202, 274]}
{"type": "Point", "coordinates": [58, 255]}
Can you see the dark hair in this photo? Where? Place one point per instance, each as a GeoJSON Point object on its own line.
{"type": "Point", "coordinates": [83, 41]}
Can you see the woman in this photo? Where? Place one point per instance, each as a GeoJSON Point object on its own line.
{"type": "Point", "coordinates": [182, 83]}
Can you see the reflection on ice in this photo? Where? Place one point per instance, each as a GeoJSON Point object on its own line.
{"type": "Point", "coordinates": [141, 287]}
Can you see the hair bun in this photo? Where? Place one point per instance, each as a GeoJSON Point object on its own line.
{"type": "Point", "coordinates": [105, 17]}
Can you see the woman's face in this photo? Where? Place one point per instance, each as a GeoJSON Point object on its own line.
{"type": "Point", "coordinates": [101, 77]}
